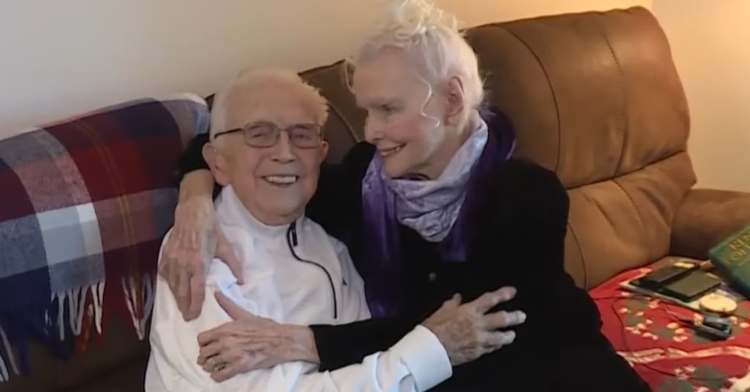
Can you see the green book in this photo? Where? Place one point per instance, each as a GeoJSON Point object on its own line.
{"type": "Point", "coordinates": [732, 260]}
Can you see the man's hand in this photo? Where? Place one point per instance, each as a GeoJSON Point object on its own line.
{"type": "Point", "coordinates": [250, 342]}
{"type": "Point", "coordinates": [195, 239]}
{"type": "Point", "coordinates": [467, 332]}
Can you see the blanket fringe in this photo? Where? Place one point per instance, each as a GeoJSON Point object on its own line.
{"type": "Point", "coordinates": [139, 314]}
{"type": "Point", "coordinates": [76, 301]}
{"type": "Point", "coordinates": [4, 374]}
{"type": "Point", "coordinates": [69, 312]}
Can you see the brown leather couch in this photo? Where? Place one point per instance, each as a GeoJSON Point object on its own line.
{"type": "Point", "coordinates": [594, 96]}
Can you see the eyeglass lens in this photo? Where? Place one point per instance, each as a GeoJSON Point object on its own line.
{"type": "Point", "coordinates": [267, 134]}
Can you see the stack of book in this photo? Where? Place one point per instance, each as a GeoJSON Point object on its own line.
{"type": "Point", "coordinates": [732, 260]}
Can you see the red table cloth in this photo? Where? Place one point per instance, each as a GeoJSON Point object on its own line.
{"type": "Point", "coordinates": [668, 354]}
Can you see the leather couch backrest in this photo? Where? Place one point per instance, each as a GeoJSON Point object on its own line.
{"type": "Point", "coordinates": [594, 96]}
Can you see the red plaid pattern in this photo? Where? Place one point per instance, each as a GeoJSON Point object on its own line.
{"type": "Point", "coordinates": [86, 202]}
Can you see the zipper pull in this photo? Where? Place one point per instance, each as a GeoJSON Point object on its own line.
{"type": "Point", "coordinates": [293, 231]}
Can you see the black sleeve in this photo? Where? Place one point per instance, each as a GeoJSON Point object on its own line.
{"type": "Point", "coordinates": [348, 344]}
{"type": "Point", "coordinates": [192, 158]}
{"type": "Point", "coordinates": [533, 257]}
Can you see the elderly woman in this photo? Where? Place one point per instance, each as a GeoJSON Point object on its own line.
{"type": "Point", "coordinates": [432, 205]}
{"type": "Point", "coordinates": [265, 153]}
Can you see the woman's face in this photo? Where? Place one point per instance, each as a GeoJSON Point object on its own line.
{"type": "Point", "coordinates": [407, 133]}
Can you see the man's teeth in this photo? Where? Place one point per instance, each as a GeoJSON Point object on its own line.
{"type": "Point", "coordinates": [282, 180]}
{"type": "Point", "coordinates": [390, 151]}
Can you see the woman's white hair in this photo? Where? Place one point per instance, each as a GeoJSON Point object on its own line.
{"type": "Point", "coordinates": [433, 37]}
{"type": "Point", "coordinates": [273, 78]}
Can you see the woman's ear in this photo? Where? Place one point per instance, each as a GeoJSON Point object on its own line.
{"type": "Point", "coordinates": [217, 163]}
{"type": "Point", "coordinates": [455, 99]}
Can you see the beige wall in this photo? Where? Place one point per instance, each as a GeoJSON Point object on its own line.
{"type": "Point", "coordinates": [709, 41]}
{"type": "Point", "coordinates": [58, 58]}
{"type": "Point", "coordinates": [61, 57]}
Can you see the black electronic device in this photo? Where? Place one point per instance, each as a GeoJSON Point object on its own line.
{"type": "Point", "coordinates": [659, 278]}
{"type": "Point", "coordinates": [691, 287]}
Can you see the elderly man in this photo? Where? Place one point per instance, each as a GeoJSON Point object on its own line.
{"type": "Point", "coordinates": [265, 152]}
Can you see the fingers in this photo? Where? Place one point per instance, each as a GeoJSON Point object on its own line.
{"type": "Point", "coordinates": [233, 310]}
{"type": "Point", "coordinates": [182, 268]}
{"type": "Point", "coordinates": [503, 319]}
{"type": "Point", "coordinates": [166, 268]}
{"type": "Point", "coordinates": [209, 365]}
{"type": "Point", "coordinates": [230, 370]}
{"type": "Point", "coordinates": [231, 358]}
{"type": "Point", "coordinates": [489, 300]}
{"type": "Point", "coordinates": [450, 304]}
{"type": "Point", "coordinates": [182, 290]}
{"type": "Point", "coordinates": [223, 358]}
{"type": "Point", "coordinates": [165, 258]}
{"type": "Point", "coordinates": [185, 255]}
{"type": "Point", "coordinates": [226, 254]}
{"type": "Point", "coordinates": [495, 340]}
{"type": "Point", "coordinates": [197, 292]}
{"type": "Point", "coordinates": [208, 351]}
{"type": "Point", "coordinates": [454, 301]}
{"type": "Point", "coordinates": [214, 334]}
{"type": "Point", "coordinates": [171, 274]}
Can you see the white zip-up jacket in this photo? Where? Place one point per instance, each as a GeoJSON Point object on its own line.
{"type": "Point", "coordinates": [295, 274]}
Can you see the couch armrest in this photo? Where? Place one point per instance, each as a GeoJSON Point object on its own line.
{"type": "Point", "coordinates": [705, 218]}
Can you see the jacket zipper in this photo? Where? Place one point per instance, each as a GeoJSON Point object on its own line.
{"type": "Point", "coordinates": [291, 240]}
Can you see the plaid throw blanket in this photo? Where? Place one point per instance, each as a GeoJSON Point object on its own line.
{"type": "Point", "coordinates": [85, 204]}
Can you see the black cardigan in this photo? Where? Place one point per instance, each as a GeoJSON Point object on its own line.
{"type": "Point", "coordinates": [521, 243]}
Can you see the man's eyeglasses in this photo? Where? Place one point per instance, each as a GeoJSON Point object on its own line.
{"type": "Point", "coordinates": [265, 134]}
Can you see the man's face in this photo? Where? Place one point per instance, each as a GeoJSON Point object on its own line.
{"type": "Point", "coordinates": [274, 183]}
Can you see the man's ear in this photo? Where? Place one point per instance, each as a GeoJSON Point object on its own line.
{"type": "Point", "coordinates": [455, 98]}
{"type": "Point", "coordinates": [217, 163]}
{"type": "Point", "coordinates": [323, 151]}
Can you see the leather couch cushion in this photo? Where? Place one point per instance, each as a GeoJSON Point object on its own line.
{"type": "Point", "coordinates": [596, 97]}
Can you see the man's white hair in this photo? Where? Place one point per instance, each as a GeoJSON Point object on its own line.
{"type": "Point", "coordinates": [267, 78]}
{"type": "Point", "coordinates": [432, 35]}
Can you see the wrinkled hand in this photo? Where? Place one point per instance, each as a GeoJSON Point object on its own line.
{"type": "Point", "coordinates": [467, 331]}
{"type": "Point", "coordinates": [247, 343]}
{"type": "Point", "coordinates": [195, 239]}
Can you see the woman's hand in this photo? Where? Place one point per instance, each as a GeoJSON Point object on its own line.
{"type": "Point", "coordinates": [467, 331]}
{"type": "Point", "coordinates": [195, 239]}
{"type": "Point", "coordinates": [250, 343]}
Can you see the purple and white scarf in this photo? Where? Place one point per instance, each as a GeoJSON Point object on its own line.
{"type": "Point", "coordinates": [430, 207]}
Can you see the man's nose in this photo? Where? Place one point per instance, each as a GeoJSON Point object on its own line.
{"type": "Point", "coordinates": [283, 149]}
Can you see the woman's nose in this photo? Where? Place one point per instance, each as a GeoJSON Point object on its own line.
{"type": "Point", "coordinates": [373, 132]}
